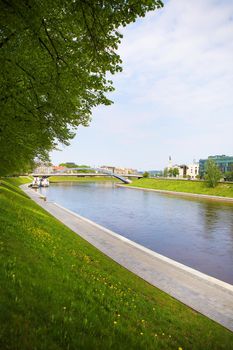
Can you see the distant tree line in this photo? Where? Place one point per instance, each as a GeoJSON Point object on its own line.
{"type": "Point", "coordinates": [83, 168]}
{"type": "Point", "coordinates": [171, 172]}
{"type": "Point", "coordinates": [73, 165]}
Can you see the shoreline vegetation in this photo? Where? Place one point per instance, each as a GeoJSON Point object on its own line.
{"type": "Point", "coordinates": [58, 291]}
{"type": "Point", "coordinates": [55, 179]}
{"type": "Point", "coordinates": [194, 187]}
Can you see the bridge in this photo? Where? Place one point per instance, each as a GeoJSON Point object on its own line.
{"type": "Point", "coordinates": [98, 172]}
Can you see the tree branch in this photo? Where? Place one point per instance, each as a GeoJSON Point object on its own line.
{"type": "Point", "coordinates": [49, 37]}
{"type": "Point", "coordinates": [46, 47]}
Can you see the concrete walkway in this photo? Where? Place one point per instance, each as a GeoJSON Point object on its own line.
{"type": "Point", "coordinates": [211, 297]}
{"type": "Point", "coordinates": [184, 194]}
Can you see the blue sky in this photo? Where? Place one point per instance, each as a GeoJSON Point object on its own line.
{"type": "Point", "coordinates": [174, 96]}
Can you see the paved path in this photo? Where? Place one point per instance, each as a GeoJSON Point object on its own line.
{"type": "Point", "coordinates": [184, 194]}
{"type": "Point", "coordinates": [209, 296]}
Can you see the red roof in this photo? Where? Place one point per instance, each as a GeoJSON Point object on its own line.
{"type": "Point", "coordinates": [57, 167]}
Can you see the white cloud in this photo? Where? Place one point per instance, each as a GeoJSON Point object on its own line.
{"type": "Point", "coordinates": [175, 95]}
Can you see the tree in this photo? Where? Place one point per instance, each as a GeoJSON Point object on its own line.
{"type": "Point", "coordinates": [175, 172]}
{"type": "Point", "coordinates": [170, 172]}
{"type": "Point", "coordinates": [69, 165]}
{"type": "Point", "coordinates": [165, 172]}
{"type": "Point", "coordinates": [212, 173]}
{"type": "Point", "coordinates": [228, 176]}
{"type": "Point", "coordinates": [145, 174]}
{"type": "Point", "coordinates": [54, 59]}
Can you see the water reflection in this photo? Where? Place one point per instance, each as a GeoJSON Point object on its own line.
{"type": "Point", "coordinates": [198, 233]}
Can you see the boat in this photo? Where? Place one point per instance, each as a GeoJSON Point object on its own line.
{"type": "Point", "coordinates": [34, 186]}
{"type": "Point", "coordinates": [44, 182]}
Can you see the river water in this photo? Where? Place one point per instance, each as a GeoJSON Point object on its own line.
{"type": "Point", "coordinates": [195, 232]}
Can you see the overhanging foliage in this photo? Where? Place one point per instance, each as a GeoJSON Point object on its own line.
{"type": "Point", "coordinates": [54, 59]}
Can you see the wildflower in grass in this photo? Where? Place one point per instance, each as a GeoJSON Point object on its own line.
{"type": "Point", "coordinates": [141, 333]}
{"type": "Point", "coordinates": [163, 334]}
{"type": "Point", "coordinates": [115, 322]}
{"type": "Point", "coordinates": [143, 321]}
{"type": "Point", "coordinates": [156, 335]}
{"type": "Point", "coordinates": [180, 348]}
{"type": "Point", "coordinates": [118, 315]}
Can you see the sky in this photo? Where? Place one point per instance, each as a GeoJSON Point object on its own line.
{"type": "Point", "coordinates": [174, 96]}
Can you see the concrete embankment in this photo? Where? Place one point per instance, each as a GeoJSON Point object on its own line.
{"type": "Point", "coordinates": [205, 294]}
{"type": "Point", "coordinates": [184, 194]}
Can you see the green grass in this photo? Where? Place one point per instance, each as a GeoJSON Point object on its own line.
{"type": "Point", "coordinates": [59, 292]}
{"type": "Point", "coordinates": [81, 179]}
{"type": "Point", "coordinates": [198, 187]}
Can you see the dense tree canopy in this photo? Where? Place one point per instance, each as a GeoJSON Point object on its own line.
{"type": "Point", "coordinates": [54, 58]}
{"type": "Point", "coordinates": [212, 173]}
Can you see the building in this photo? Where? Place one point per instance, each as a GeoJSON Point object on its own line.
{"type": "Point", "coordinates": [119, 171]}
{"type": "Point", "coordinates": [45, 169]}
{"type": "Point", "coordinates": [57, 168]}
{"type": "Point", "coordinates": [225, 163]}
{"type": "Point", "coordinates": [190, 171]}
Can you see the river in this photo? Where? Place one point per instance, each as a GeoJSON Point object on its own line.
{"type": "Point", "coordinates": [195, 232]}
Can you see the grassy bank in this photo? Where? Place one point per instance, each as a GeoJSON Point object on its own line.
{"type": "Point", "coordinates": [81, 179]}
{"type": "Point", "coordinates": [222, 189]}
{"type": "Point", "coordinates": [58, 292]}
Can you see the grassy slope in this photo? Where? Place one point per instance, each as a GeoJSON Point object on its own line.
{"type": "Point", "coordinates": [222, 189]}
{"type": "Point", "coordinates": [59, 292]}
{"type": "Point", "coordinates": [82, 179]}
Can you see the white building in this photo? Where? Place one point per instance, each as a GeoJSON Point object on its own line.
{"type": "Point", "coordinates": [43, 169]}
{"type": "Point", "coordinates": [192, 170]}
{"type": "Point", "coordinates": [185, 171]}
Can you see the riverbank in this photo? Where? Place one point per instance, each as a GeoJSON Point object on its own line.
{"type": "Point", "coordinates": [58, 291]}
{"type": "Point", "coordinates": [208, 295]}
{"type": "Point", "coordinates": [55, 179]}
{"type": "Point", "coordinates": [193, 187]}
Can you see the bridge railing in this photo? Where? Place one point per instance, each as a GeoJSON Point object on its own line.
{"type": "Point", "coordinates": [101, 171]}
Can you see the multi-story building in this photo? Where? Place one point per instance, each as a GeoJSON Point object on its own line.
{"type": "Point", "coordinates": [43, 169]}
{"type": "Point", "coordinates": [57, 168]}
{"type": "Point", "coordinates": [225, 163]}
{"type": "Point", "coordinates": [185, 170]}
{"type": "Point", "coordinates": [120, 171]}
{"type": "Point", "coordinates": [192, 170]}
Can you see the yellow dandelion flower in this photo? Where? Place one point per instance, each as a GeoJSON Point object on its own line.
{"type": "Point", "coordinates": [180, 348]}
{"type": "Point", "coordinates": [143, 321]}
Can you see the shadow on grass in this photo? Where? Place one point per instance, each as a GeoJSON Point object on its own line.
{"type": "Point", "coordinates": [12, 189]}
